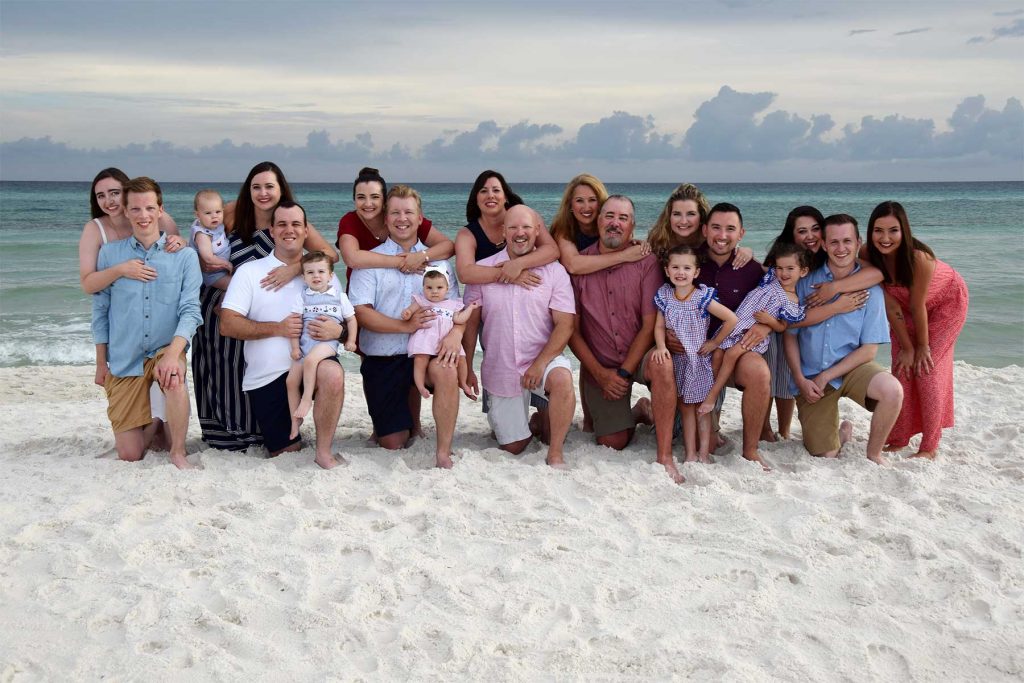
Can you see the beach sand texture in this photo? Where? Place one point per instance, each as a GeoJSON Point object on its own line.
{"type": "Point", "coordinates": [503, 569]}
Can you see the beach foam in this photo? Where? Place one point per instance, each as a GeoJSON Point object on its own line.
{"type": "Point", "coordinates": [503, 568]}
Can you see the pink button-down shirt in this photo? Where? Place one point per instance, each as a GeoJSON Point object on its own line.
{"type": "Point", "coordinates": [517, 323]}
{"type": "Point", "coordinates": [612, 303]}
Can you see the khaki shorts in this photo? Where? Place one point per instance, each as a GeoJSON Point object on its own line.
{"type": "Point", "coordinates": [611, 417]}
{"type": "Point", "coordinates": [819, 421]}
{"type": "Point", "coordinates": [128, 397]}
{"type": "Point", "coordinates": [509, 416]}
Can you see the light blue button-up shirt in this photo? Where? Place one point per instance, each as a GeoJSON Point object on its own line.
{"type": "Point", "coordinates": [825, 344]}
{"type": "Point", "coordinates": [135, 319]}
{"type": "Point", "coordinates": [389, 291]}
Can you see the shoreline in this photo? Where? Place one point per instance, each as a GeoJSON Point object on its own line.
{"type": "Point", "coordinates": [501, 567]}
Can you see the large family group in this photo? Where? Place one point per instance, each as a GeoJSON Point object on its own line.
{"type": "Point", "coordinates": [686, 311]}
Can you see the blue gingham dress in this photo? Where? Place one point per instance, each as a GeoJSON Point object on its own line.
{"type": "Point", "coordinates": [688, 320]}
{"type": "Point", "coordinates": [767, 296]}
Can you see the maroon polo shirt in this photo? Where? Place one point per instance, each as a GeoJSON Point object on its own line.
{"type": "Point", "coordinates": [612, 303]}
{"type": "Point", "coordinates": [732, 285]}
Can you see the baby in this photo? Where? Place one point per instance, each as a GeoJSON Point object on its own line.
{"type": "Point", "coordinates": [774, 303]}
{"type": "Point", "coordinates": [424, 343]}
{"type": "Point", "coordinates": [322, 296]}
{"type": "Point", "coordinates": [209, 238]}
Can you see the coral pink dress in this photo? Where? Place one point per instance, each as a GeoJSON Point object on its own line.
{"type": "Point", "coordinates": [928, 399]}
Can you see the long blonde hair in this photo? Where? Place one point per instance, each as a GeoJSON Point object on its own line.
{"type": "Point", "coordinates": [661, 236]}
{"type": "Point", "coordinates": [564, 224]}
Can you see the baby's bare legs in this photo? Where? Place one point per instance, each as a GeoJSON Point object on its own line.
{"type": "Point", "coordinates": [722, 365]}
{"type": "Point", "coordinates": [462, 370]}
{"type": "Point", "coordinates": [293, 381]}
{"type": "Point", "coordinates": [419, 373]}
{"type": "Point", "coordinates": [309, 364]}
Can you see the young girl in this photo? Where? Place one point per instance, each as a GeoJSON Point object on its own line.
{"type": "Point", "coordinates": [424, 343]}
{"type": "Point", "coordinates": [684, 307]}
{"type": "Point", "coordinates": [926, 302]}
{"type": "Point", "coordinates": [773, 303]}
{"type": "Point", "coordinates": [322, 296]}
{"type": "Point", "coordinates": [210, 239]}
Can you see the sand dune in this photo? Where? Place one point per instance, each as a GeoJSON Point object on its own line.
{"type": "Point", "coordinates": [503, 569]}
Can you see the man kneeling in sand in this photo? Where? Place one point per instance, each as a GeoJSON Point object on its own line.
{"type": "Point", "coordinates": [614, 337]}
{"type": "Point", "coordinates": [524, 333]}
{"type": "Point", "coordinates": [835, 358]}
{"type": "Point", "coordinates": [264, 319]}
{"type": "Point", "coordinates": [142, 327]}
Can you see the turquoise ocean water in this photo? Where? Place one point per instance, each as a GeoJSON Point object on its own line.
{"type": "Point", "coordinates": [978, 228]}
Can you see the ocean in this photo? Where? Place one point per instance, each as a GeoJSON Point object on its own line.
{"type": "Point", "coordinates": [978, 228]}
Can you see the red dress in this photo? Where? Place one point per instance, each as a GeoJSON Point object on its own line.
{"type": "Point", "coordinates": [928, 399]}
{"type": "Point", "coordinates": [351, 224]}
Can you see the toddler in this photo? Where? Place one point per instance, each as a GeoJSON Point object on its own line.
{"type": "Point", "coordinates": [210, 239]}
{"type": "Point", "coordinates": [425, 342]}
{"type": "Point", "coordinates": [684, 307]}
{"type": "Point", "coordinates": [774, 303]}
{"type": "Point", "coordinates": [322, 296]}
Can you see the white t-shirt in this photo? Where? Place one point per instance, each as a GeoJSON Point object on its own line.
{"type": "Point", "coordinates": [265, 359]}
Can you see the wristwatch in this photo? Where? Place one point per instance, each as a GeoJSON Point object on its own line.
{"type": "Point", "coordinates": [624, 374]}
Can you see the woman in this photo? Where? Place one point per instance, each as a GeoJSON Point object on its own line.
{"type": "Point", "coordinates": [926, 302]}
{"type": "Point", "coordinates": [217, 363]}
{"type": "Point", "coordinates": [574, 228]}
{"type": "Point", "coordinates": [484, 235]}
{"type": "Point", "coordinates": [362, 230]}
{"type": "Point", "coordinates": [803, 227]}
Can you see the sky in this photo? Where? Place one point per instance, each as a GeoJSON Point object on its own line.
{"type": "Point", "coordinates": [726, 91]}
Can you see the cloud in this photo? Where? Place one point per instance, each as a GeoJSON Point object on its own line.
{"type": "Point", "coordinates": [858, 31]}
{"type": "Point", "coordinates": [619, 136]}
{"type": "Point", "coordinates": [1008, 13]}
{"type": "Point", "coordinates": [976, 129]}
{"type": "Point", "coordinates": [1014, 29]}
{"type": "Point", "coordinates": [913, 31]}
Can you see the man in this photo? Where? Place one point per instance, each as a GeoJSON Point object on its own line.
{"type": "Point", "coordinates": [142, 327]}
{"type": "Point", "coordinates": [264, 319]}
{"type": "Point", "coordinates": [379, 295]}
{"type": "Point", "coordinates": [722, 233]}
{"type": "Point", "coordinates": [613, 335]}
{"type": "Point", "coordinates": [525, 331]}
{"type": "Point", "coordinates": [836, 357]}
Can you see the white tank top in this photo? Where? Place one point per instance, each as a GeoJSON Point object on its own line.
{"type": "Point", "coordinates": [103, 235]}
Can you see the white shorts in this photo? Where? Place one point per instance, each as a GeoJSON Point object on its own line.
{"type": "Point", "coordinates": [509, 416]}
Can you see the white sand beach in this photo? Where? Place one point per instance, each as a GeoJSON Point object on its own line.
{"type": "Point", "coordinates": [503, 569]}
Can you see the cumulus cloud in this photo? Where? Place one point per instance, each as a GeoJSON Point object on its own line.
{"type": "Point", "coordinates": [619, 136]}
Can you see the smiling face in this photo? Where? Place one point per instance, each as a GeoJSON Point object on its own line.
{"type": "Point", "coordinates": [684, 219]}
{"type": "Point", "coordinates": [520, 231]}
{"type": "Point", "coordinates": [789, 271]}
{"type": "Point", "coordinates": [682, 269]}
{"type": "Point", "coordinates": [615, 224]}
{"type": "Point", "coordinates": [887, 235]}
{"type": "Point", "coordinates": [265, 190]}
{"type": "Point", "coordinates": [841, 243]}
{"type": "Point", "coordinates": [143, 210]}
{"type": "Point", "coordinates": [807, 233]}
{"type": "Point", "coordinates": [723, 232]}
{"type": "Point", "coordinates": [108, 193]}
{"type": "Point", "coordinates": [289, 232]}
{"type": "Point", "coordinates": [369, 200]}
{"type": "Point", "coordinates": [317, 275]}
{"type": "Point", "coordinates": [210, 212]}
{"type": "Point", "coordinates": [403, 220]}
{"type": "Point", "coordinates": [491, 198]}
{"type": "Point", "coordinates": [584, 205]}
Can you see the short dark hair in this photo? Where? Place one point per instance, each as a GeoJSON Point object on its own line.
{"type": "Point", "coordinates": [287, 204]}
{"type": "Point", "coordinates": [316, 256]}
{"type": "Point", "coordinates": [725, 207]}
{"type": "Point", "coordinates": [839, 219]}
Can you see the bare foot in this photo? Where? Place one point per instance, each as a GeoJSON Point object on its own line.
{"type": "Point", "coordinates": [879, 460]}
{"type": "Point", "coordinates": [717, 441]}
{"type": "Point", "coordinates": [181, 462]}
{"type": "Point", "coordinates": [555, 461]}
{"type": "Point", "coordinates": [416, 432]}
{"type": "Point", "coordinates": [330, 461]}
{"type": "Point", "coordinates": [760, 461]}
{"type": "Point", "coordinates": [444, 461]}
{"type": "Point", "coordinates": [642, 411]}
{"type": "Point", "coordinates": [705, 407]}
{"type": "Point", "coordinates": [673, 472]}
{"type": "Point", "coordinates": [768, 435]}
{"type": "Point", "coordinates": [783, 435]}
{"type": "Point", "coordinates": [705, 458]}
{"type": "Point", "coordinates": [930, 455]}
{"type": "Point", "coordinates": [692, 457]}
{"type": "Point", "coordinates": [845, 432]}
{"type": "Point", "coordinates": [893, 448]}
{"type": "Point", "coordinates": [296, 423]}
{"type": "Point", "coordinates": [303, 408]}
{"type": "Point", "coordinates": [423, 392]}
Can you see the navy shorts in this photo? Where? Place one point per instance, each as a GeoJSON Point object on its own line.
{"type": "Point", "coordinates": [270, 408]}
{"type": "Point", "coordinates": [386, 383]}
